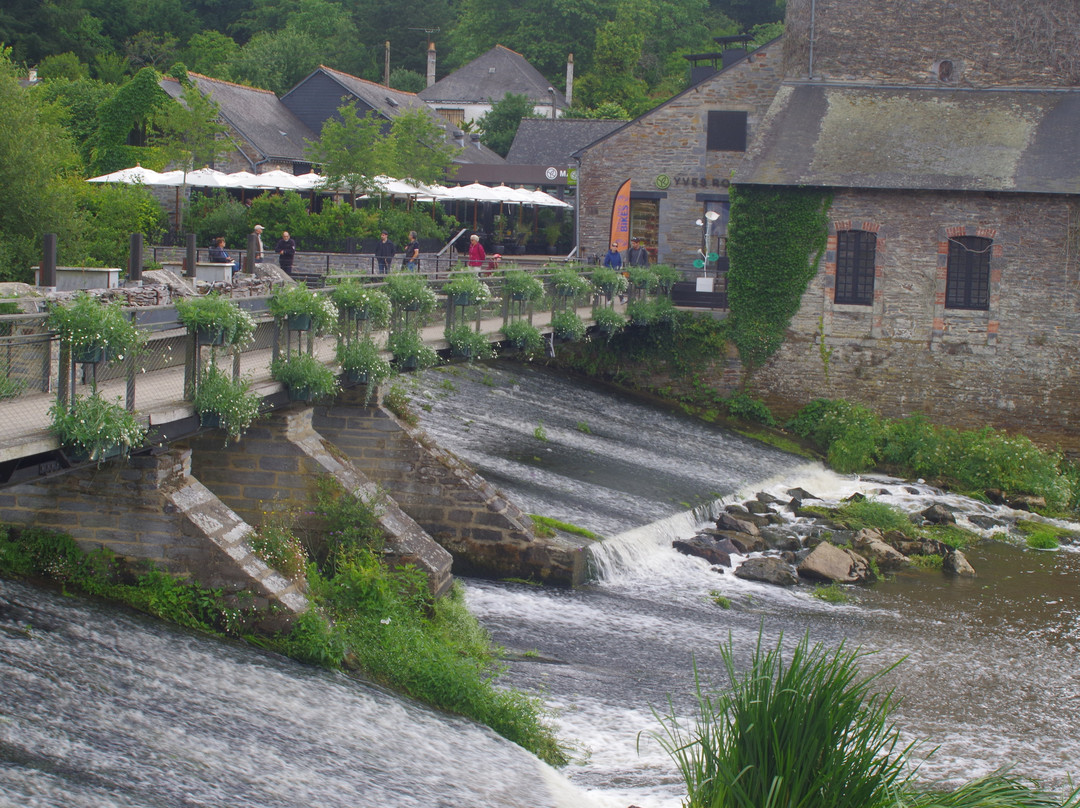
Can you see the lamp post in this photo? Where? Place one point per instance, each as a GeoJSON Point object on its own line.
{"type": "Point", "coordinates": [706, 255]}
{"type": "Point", "coordinates": [551, 92]}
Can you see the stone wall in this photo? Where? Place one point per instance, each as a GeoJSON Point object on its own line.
{"type": "Point", "coordinates": [1013, 366]}
{"type": "Point", "coordinates": [275, 466]}
{"type": "Point", "coordinates": [487, 534]}
{"type": "Point", "coordinates": [989, 43]}
{"type": "Point", "coordinates": [663, 152]}
{"type": "Point", "coordinates": [150, 509]}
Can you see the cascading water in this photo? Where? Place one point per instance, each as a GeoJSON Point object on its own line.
{"type": "Point", "coordinates": [989, 669]}
{"type": "Point", "coordinates": [101, 708]}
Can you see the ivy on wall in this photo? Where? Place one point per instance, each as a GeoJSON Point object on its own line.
{"type": "Point", "coordinates": [776, 238]}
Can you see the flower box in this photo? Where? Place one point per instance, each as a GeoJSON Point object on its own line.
{"type": "Point", "coordinates": [299, 322]}
{"type": "Point", "coordinates": [90, 355]}
{"type": "Point", "coordinates": [211, 336]}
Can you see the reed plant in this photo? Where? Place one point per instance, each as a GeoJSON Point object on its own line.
{"type": "Point", "coordinates": [803, 733]}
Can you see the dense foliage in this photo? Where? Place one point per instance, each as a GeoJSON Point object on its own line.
{"type": "Point", "coordinates": [776, 238]}
{"type": "Point", "coordinates": [854, 438]}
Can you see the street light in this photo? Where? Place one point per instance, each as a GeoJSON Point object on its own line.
{"type": "Point", "coordinates": [551, 91]}
{"type": "Point", "coordinates": [710, 217]}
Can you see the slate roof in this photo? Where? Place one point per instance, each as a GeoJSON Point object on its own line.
{"type": "Point", "coordinates": [860, 136]}
{"type": "Point", "coordinates": [490, 77]}
{"type": "Point", "coordinates": [258, 115]}
{"type": "Point", "coordinates": [550, 143]}
{"type": "Point", "coordinates": [389, 103]}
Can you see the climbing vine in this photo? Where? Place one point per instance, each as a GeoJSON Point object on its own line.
{"type": "Point", "coordinates": [776, 238]}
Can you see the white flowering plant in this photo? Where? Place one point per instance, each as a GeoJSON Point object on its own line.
{"type": "Point", "coordinates": [297, 300]}
{"type": "Point", "coordinates": [467, 289]}
{"type": "Point", "coordinates": [410, 292]}
{"type": "Point", "coordinates": [85, 323]}
{"type": "Point", "coordinates": [362, 302]}
{"type": "Point", "coordinates": [94, 426]}
{"type": "Point", "coordinates": [213, 313]}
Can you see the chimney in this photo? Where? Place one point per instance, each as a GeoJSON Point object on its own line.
{"type": "Point", "coordinates": [475, 138]}
{"type": "Point", "coordinates": [459, 138]}
{"type": "Point", "coordinates": [32, 75]}
{"type": "Point", "coordinates": [430, 64]}
{"type": "Point", "coordinates": [570, 80]}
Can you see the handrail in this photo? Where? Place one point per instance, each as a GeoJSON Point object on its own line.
{"type": "Point", "coordinates": [452, 241]}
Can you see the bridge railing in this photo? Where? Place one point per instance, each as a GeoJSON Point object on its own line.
{"type": "Point", "coordinates": [158, 379]}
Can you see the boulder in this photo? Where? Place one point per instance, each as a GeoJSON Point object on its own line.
{"type": "Point", "coordinates": [769, 499]}
{"type": "Point", "coordinates": [1025, 502]}
{"type": "Point", "coordinates": [830, 563]}
{"type": "Point", "coordinates": [938, 514]}
{"type": "Point", "coordinates": [760, 508]}
{"type": "Point", "coordinates": [728, 522]}
{"type": "Point", "coordinates": [985, 522]}
{"type": "Point", "coordinates": [767, 569]}
{"type": "Point", "coordinates": [736, 508]}
{"type": "Point", "coordinates": [870, 545]}
{"type": "Point", "coordinates": [778, 539]}
{"type": "Point", "coordinates": [722, 539]}
{"type": "Point", "coordinates": [800, 493]}
{"type": "Point", "coordinates": [858, 496]}
{"type": "Point", "coordinates": [745, 544]}
{"type": "Point", "coordinates": [705, 547]}
{"type": "Point", "coordinates": [956, 563]}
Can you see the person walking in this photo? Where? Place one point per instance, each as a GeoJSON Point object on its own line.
{"type": "Point", "coordinates": [286, 251]}
{"type": "Point", "coordinates": [384, 252]}
{"type": "Point", "coordinates": [637, 255]}
{"type": "Point", "coordinates": [412, 253]}
{"type": "Point", "coordinates": [613, 259]}
{"type": "Point", "coordinates": [477, 254]}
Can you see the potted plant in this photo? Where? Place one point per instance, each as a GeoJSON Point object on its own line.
{"type": "Point", "coordinates": [666, 277]}
{"type": "Point", "coordinates": [643, 278]}
{"type": "Point", "coordinates": [551, 236]}
{"type": "Point", "coordinates": [410, 351]}
{"type": "Point", "coordinates": [568, 326]}
{"type": "Point", "coordinates": [216, 320]}
{"type": "Point", "coordinates": [608, 321]}
{"type": "Point", "coordinates": [222, 402]}
{"type": "Point", "coordinates": [359, 301]}
{"type": "Point", "coordinates": [306, 377]}
{"type": "Point", "coordinates": [522, 285]}
{"type": "Point", "coordinates": [363, 362]}
{"type": "Point", "coordinates": [409, 291]}
{"type": "Point", "coordinates": [302, 309]}
{"type": "Point", "coordinates": [526, 338]}
{"type": "Point", "coordinates": [468, 343]}
{"type": "Point", "coordinates": [501, 233]}
{"type": "Point", "coordinates": [466, 289]}
{"type": "Point", "coordinates": [94, 330]}
{"type": "Point", "coordinates": [568, 283]}
{"type": "Point", "coordinates": [94, 428]}
{"type": "Point", "coordinates": [641, 312]}
{"type": "Point", "coordinates": [609, 282]}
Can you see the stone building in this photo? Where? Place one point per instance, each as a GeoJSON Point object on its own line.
{"type": "Point", "coordinates": [679, 158]}
{"type": "Point", "coordinates": [947, 137]}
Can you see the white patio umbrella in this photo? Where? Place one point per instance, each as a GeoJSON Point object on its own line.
{"type": "Point", "coordinates": [132, 175]}
{"type": "Point", "coordinates": [547, 200]}
{"type": "Point", "coordinates": [208, 178]}
{"type": "Point", "coordinates": [278, 179]}
{"type": "Point", "coordinates": [309, 181]}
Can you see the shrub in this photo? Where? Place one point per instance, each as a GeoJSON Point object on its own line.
{"type": "Point", "coordinates": [608, 321]}
{"type": "Point", "coordinates": [567, 283]}
{"type": "Point", "coordinates": [643, 278]}
{"type": "Point", "coordinates": [95, 426]}
{"type": "Point", "coordinates": [741, 404]}
{"type": "Point", "coordinates": [609, 282]}
{"type": "Point", "coordinates": [304, 374]}
{"type": "Point", "coordinates": [521, 285]}
{"type": "Point", "coordinates": [296, 300]}
{"type": "Point", "coordinates": [409, 291]}
{"type": "Point", "coordinates": [86, 322]}
{"type": "Point", "coordinates": [359, 301]}
{"type": "Point", "coordinates": [410, 351]}
{"type": "Point", "coordinates": [466, 289]}
{"type": "Point", "coordinates": [275, 543]}
{"type": "Point", "coordinates": [362, 357]}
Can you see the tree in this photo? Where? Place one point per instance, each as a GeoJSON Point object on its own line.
{"type": "Point", "coordinates": [209, 51]}
{"type": "Point", "coordinates": [123, 118]}
{"type": "Point", "coordinates": [275, 60]}
{"type": "Point", "coordinates": [416, 148]}
{"type": "Point", "coordinates": [37, 163]}
{"type": "Point", "coordinates": [348, 150]}
{"type": "Point", "coordinates": [62, 66]}
{"type": "Point", "coordinates": [408, 80]}
{"type": "Point", "coordinates": [500, 125]}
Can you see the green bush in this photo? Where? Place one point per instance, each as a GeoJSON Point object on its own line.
{"type": "Point", "coordinates": [741, 404]}
{"type": "Point", "coordinates": [217, 214]}
{"type": "Point", "coordinates": [526, 338]}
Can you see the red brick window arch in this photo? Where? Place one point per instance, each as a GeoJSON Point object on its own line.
{"type": "Point", "coordinates": [856, 260]}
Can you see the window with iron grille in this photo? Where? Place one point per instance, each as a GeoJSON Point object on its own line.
{"type": "Point", "coordinates": [856, 253]}
{"type": "Point", "coordinates": [967, 284]}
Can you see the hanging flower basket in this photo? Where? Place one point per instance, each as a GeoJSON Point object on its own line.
{"type": "Point", "coordinates": [299, 322]}
{"type": "Point", "coordinates": [357, 376]}
{"type": "Point", "coordinates": [211, 336]}
{"type": "Point", "coordinates": [210, 420]}
{"type": "Point", "coordinates": [413, 305]}
{"type": "Point", "coordinates": [301, 394]}
{"type": "Point", "coordinates": [90, 355]}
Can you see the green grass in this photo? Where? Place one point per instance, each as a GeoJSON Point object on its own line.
{"type": "Point", "coordinates": [720, 600]}
{"type": "Point", "coordinates": [540, 433]}
{"type": "Point", "coordinates": [582, 426]}
{"type": "Point", "coordinates": [831, 593]}
{"type": "Point", "coordinates": [549, 526]}
{"type": "Point", "coordinates": [776, 440]}
{"type": "Point", "coordinates": [1042, 536]}
{"type": "Point", "coordinates": [927, 562]}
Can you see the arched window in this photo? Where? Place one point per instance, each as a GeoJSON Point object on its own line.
{"type": "Point", "coordinates": [856, 252]}
{"type": "Point", "coordinates": [967, 284]}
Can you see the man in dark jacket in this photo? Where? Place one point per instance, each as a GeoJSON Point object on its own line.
{"type": "Point", "coordinates": [637, 255]}
{"type": "Point", "coordinates": [286, 250]}
{"type": "Point", "coordinates": [384, 252]}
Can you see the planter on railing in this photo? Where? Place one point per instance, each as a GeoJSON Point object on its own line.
{"type": "Point", "coordinates": [90, 355]}
{"type": "Point", "coordinates": [211, 336]}
{"type": "Point", "coordinates": [299, 322]}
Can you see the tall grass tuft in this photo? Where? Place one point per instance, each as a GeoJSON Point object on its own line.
{"type": "Point", "coordinates": [807, 733]}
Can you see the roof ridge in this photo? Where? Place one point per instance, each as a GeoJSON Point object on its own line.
{"type": "Point", "coordinates": [229, 83]}
{"type": "Point", "coordinates": [367, 81]}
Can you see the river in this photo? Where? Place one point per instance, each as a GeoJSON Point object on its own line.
{"type": "Point", "coordinates": [105, 708]}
